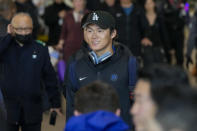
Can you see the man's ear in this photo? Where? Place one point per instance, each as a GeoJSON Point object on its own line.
{"type": "Point", "coordinates": [118, 112]}
{"type": "Point", "coordinates": [10, 29]}
{"type": "Point", "coordinates": [114, 33]}
{"type": "Point", "coordinates": [76, 113]}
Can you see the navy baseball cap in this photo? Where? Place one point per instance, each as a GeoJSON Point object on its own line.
{"type": "Point", "coordinates": [101, 18]}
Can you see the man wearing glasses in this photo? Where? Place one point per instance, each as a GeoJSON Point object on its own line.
{"type": "Point", "coordinates": [25, 67]}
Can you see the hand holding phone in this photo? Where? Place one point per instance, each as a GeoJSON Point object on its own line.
{"type": "Point", "coordinates": [53, 118]}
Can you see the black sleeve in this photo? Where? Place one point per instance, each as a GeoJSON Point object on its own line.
{"type": "Point", "coordinates": [69, 93]}
{"type": "Point", "coordinates": [143, 23]}
{"type": "Point", "coordinates": [164, 34]}
{"type": "Point", "coordinates": [50, 81]}
{"type": "Point", "coordinates": [4, 43]}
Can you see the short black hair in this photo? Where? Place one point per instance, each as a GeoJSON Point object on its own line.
{"type": "Point", "coordinates": [177, 107]}
{"type": "Point", "coordinates": [163, 73]}
{"type": "Point", "coordinates": [170, 90]}
{"type": "Point", "coordinates": [96, 96]}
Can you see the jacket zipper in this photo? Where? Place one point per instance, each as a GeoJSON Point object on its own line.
{"type": "Point", "coordinates": [98, 75]}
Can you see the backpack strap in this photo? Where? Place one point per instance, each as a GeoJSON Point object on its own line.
{"type": "Point", "coordinates": [72, 74]}
{"type": "Point", "coordinates": [132, 68]}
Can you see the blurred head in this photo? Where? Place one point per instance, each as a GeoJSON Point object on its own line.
{"type": "Point", "coordinates": [126, 1]}
{"type": "Point", "coordinates": [22, 27]}
{"type": "Point", "coordinates": [59, 1]}
{"type": "Point", "coordinates": [110, 2]}
{"type": "Point", "coordinates": [79, 5]}
{"type": "Point", "coordinates": [7, 9]}
{"type": "Point", "coordinates": [21, 1]}
{"type": "Point", "coordinates": [96, 96]}
{"type": "Point", "coordinates": [144, 107]}
{"type": "Point", "coordinates": [99, 31]}
{"type": "Point", "coordinates": [177, 107]}
{"type": "Point", "coordinates": [149, 5]}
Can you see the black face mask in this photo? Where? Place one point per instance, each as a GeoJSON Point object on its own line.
{"type": "Point", "coordinates": [23, 39]}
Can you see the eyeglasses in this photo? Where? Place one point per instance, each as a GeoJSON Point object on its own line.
{"type": "Point", "coordinates": [20, 29]}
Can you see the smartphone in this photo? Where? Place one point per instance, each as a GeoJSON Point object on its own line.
{"type": "Point", "coordinates": [52, 118]}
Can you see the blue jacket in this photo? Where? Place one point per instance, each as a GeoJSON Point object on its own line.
{"type": "Point", "coordinates": [24, 72]}
{"type": "Point", "coordinates": [96, 121]}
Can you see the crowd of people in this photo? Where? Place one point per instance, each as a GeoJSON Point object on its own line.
{"type": "Point", "coordinates": [111, 60]}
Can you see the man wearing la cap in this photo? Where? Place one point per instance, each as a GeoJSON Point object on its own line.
{"type": "Point", "coordinates": [100, 58]}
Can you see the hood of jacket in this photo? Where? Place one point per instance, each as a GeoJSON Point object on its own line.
{"type": "Point", "coordinates": [96, 121]}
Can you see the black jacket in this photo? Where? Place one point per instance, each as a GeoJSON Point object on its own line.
{"type": "Point", "coordinates": [24, 70]}
{"type": "Point", "coordinates": [132, 28]}
{"type": "Point", "coordinates": [157, 33]}
{"type": "Point", "coordinates": [113, 71]}
{"type": "Point", "coordinates": [51, 19]}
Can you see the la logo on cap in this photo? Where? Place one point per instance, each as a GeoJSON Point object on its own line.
{"type": "Point", "coordinates": [95, 16]}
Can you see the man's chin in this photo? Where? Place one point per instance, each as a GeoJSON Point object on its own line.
{"type": "Point", "coordinates": [138, 124]}
{"type": "Point", "coordinates": [139, 127]}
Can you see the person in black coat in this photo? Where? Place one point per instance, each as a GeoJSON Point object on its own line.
{"type": "Point", "coordinates": [174, 16]}
{"type": "Point", "coordinates": [157, 33]}
{"type": "Point", "coordinates": [132, 26]}
{"type": "Point", "coordinates": [109, 6]}
{"type": "Point", "coordinates": [25, 68]}
{"type": "Point", "coordinates": [53, 18]}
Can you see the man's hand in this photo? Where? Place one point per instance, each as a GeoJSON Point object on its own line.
{"type": "Point", "coordinates": [188, 61]}
{"type": "Point", "coordinates": [60, 44]}
{"type": "Point", "coordinates": [57, 110]}
{"type": "Point", "coordinates": [62, 14]}
{"type": "Point", "coordinates": [146, 42]}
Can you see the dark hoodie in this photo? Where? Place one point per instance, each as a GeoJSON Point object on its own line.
{"type": "Point", "coordinates": [96, 121]}
{"type": "Point", "coordinates": [113, 71]}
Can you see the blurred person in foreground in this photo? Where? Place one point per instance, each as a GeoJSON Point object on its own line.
{"type": "Point", "coordinates": [145, 108]}
{"type": "Point", "coordinates": [97, 108]}
{"type": "Point", "coordinates": [177, 107]}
